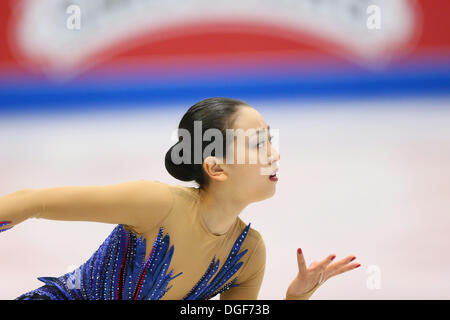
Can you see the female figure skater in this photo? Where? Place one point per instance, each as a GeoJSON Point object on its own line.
{"type": "Point", "coordinates": [199, 246]}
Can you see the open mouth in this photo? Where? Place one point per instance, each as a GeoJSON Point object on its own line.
{"type": "Point", "coordinates": [273, 177]}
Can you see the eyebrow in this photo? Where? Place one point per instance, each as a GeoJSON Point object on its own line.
{"type": "Point", "coordinates": [262, 129]}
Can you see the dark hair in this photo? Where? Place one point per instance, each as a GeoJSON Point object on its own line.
{"type": "Point", "coordinates": [217, 113]}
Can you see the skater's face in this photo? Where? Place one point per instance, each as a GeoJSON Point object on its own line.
{"type": "Point", "coordinates": [249, 173]}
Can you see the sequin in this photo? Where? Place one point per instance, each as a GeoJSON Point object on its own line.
{"type": "Point", "coordinates": [5, 229]}
{"type": "Point", "coordinates": [4, 223]}
{"type": "Point", "coordinates": [117, 271]}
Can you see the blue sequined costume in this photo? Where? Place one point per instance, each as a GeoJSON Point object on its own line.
{"type": "Point", "coordinates": [117, 271]}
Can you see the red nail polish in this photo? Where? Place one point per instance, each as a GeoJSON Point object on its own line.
{"type": "Point", "coordinates": [357, 266]}
{"type": "Point", "coordinates": [332, 258]}
{"type": "Point", "coordinates": [299, 251]}
{"type": "Point", "coordinates": [353, 258]}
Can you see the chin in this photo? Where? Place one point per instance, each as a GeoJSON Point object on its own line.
{"type": "Point", "coordinates": [274, 189]}
{"type": "Point", "coordinates": [269, 193]}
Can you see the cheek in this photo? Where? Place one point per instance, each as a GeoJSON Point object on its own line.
{"type": "Point", "coordinates": [247, 151]}
{"type": "Point", "coordinates": [251, 174]}
{"type": "Point", "coordinates": [249, 168]}
{"type": "Point", "coordinates": [241, 171]}
{"type": "Point", "coordinates": [246, 174]}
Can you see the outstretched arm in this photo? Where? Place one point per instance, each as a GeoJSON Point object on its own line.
{"type": "Point", "coordinates": [15, 208]}
{"type": "Point", "coordinates": [139, 204]}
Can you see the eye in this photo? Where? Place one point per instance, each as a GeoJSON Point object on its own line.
{"type": "Point", "coordinates": [262, 142]}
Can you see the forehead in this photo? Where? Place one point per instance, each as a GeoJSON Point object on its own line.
{"type": "Point", "coordinates": [249, 118]}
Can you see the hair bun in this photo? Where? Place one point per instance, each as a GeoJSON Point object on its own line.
{"type": "Point", "coordinates": [214, 113]}
{"type": "Point", "coordinates": [182, 171]}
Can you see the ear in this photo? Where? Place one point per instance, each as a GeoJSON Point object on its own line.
{"type": "Point", "coordinates": [214, 168]}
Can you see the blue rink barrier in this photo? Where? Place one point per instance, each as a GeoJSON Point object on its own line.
{"type": "Point", "coordinates": [120, 90]}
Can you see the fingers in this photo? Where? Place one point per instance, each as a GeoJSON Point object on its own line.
{"type": "Point", "coordinates": [340, 263]}
{"type": "Point", "coordinates": [344, 261]}
{"type": "Point", "coordinates": [342, 266]}
{"type": "Point", "coordinates": [301, 261]}
{"type": "Point", "coordinates": [347, 268]}
{"type": "Point", "coordinates": [324, 263]}
{"type": "Point", "coordinates": [324, 266]}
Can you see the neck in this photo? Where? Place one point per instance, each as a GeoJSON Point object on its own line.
{"type": "Point", "coordinates": [218, 209]}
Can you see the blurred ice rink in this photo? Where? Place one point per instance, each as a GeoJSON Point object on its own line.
{"type": "Point", "coordinates": [369, 178]}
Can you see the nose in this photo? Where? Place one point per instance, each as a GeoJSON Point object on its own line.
{"type": "Point", "coordinates": [275, 155]}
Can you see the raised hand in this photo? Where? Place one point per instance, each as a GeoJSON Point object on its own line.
{"type": "Point", "coordinates": [317, 272]}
